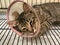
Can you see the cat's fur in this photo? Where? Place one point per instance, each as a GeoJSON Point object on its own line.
{"type": "Point", "coordinates": [48, 13]}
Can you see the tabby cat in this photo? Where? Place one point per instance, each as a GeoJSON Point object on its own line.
{"type": "Point", "coordinates": [26, 22]}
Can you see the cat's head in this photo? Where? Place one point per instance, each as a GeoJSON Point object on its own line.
{"type": "Point", "coordinates": [30, 16]}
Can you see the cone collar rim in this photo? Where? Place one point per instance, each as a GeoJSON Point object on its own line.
{"type": "Point", "coordinates": [38, 29]}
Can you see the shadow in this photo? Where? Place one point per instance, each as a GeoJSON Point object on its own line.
{"type": "Point", "coordinates": [56, 23]}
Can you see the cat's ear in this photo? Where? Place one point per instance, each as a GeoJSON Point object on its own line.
{"type": "Point", "coordinates": [26, 7]}
{"type": "Point", "coordinates": [15, 14]}
{"type": "Point", "coordinates": [12, 23]}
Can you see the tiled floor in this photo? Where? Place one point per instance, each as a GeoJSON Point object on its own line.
{"type": "Point", "coordinates": [8, 37]}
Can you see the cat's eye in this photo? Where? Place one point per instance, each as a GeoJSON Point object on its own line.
{"type": "Point", "coordinates": [31, 23]}
{"type": "Point", "coordinates": [30, 11]}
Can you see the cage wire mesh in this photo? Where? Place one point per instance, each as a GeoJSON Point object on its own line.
{"type": "Point", "coordinates": [8, 37]}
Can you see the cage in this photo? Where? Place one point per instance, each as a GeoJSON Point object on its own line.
{"type": "Point", "coordinates": [8, 37]}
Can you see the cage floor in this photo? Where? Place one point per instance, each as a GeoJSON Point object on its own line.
{"type": "Point", "coordinates": [8, 37]}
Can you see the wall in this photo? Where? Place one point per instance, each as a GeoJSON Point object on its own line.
{"type": "Point", "coordinates": [5, 3]}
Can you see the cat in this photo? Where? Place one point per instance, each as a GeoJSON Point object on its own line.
{"type": "Point", "coordinates": [48, 13]}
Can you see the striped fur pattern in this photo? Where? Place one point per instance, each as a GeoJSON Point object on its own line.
{"type": "Point", "coordinates": [48, 14]}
